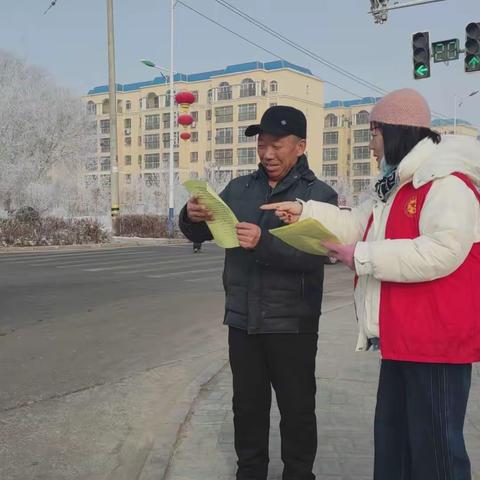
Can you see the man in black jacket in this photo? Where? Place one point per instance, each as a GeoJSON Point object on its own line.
{"type": "Point", "coordinates": [273, 300]}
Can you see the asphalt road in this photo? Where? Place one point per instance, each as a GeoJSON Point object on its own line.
{"type": "Point", "coordinates": [99, 348]}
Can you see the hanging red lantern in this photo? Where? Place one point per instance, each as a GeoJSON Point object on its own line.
{"type": "Point", "coordinates": [185, 99]}
{"type": "Point", "coordinates": [185, 136]}
{"type": "Point", "coordinates": [185, 119]}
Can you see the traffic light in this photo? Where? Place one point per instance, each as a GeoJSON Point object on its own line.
{"type": "Point", "coordinates": [421, 55]}
{"type": "Point", "coordinates": [472, 47]}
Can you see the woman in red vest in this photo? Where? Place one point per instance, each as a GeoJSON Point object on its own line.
{"type": "Point", "coordinates": [415, 249]}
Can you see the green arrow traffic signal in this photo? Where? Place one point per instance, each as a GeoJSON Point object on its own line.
{"type": "Point", "coordinates": [474, 61]}
{"type": "Point", "coordinates": [422, 70]}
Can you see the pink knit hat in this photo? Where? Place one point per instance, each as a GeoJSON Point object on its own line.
{"type": "Point", "coordinates": [402, 107]}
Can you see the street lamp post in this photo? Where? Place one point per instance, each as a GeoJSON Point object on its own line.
{"type": "Point", "coordinates": [171, 204]}
{"type": "Point", "coordinates": [455, 107]}
{"type": "Point", "coordinates": [149, 63]}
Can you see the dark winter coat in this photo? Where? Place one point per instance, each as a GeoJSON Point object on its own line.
{"type": "Point", "coordinates": [274, 287]}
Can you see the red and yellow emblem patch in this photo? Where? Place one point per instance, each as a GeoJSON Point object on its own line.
{"type": "Point", "coordinates": [411, 206]}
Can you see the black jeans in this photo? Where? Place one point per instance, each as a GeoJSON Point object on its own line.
{"type": "Point", "coordinates": [419, 421]}
{"type": "Point", "coordinates": [286, 362]}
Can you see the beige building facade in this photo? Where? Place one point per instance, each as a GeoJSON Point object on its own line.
{"type": "Point", "coordinates": [227, 101]}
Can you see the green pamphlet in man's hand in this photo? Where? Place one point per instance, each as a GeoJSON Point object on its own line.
{"type": "Point", "coordinates": [224, 220]}
{"type": "Point", "coordinates": [306, 235]}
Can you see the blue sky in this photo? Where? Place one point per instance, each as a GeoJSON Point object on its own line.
{"type": "Point", "coordinates": [70, 42]}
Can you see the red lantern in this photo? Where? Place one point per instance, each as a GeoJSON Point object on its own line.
{"type": "Point", "coordinates": [185, 119]}
{"type": "Point", "coordinates": [185, 136]}
{"type": "Point", "coordinates": [185, 97]}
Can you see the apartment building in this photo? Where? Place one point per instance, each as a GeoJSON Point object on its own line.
{"type": "Point", "coordinates": [226, 102]}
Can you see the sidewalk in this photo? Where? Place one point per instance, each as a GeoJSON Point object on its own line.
{"type": "Point", "coordinates": [346, 389]}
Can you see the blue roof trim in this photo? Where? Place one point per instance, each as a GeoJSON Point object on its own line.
{"type": "Point", "coordinates": [197, 77]}
{"type": "Point", "coordinates": [352, 103]}
{"type": "Point", "coordinates": [446, 122]}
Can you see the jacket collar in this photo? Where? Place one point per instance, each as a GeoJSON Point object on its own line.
{"type": "Point", "coordinates": [299, 170]}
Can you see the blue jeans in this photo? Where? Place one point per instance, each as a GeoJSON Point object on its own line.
{"type": "Point", "coordinates": [419, 421]}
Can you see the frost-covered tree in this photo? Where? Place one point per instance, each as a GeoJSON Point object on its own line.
{"type": "Point", "coordinates": [45, 138]}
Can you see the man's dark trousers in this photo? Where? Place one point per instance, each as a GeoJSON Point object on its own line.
{"type": "Point", "coordinates": [285, 361]}
{"type": "Point", "coordinates": [419, 421]}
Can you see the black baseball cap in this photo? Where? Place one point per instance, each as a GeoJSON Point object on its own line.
{"type": "Point", "coordinates": [281, 121]}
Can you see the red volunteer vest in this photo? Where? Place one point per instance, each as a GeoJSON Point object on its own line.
{"type": "Point", "coordinates": [436, 321]}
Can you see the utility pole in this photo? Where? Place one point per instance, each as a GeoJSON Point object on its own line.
{"type": "Point", "coordinates": [112, 96]}
{"type": "Point", "coordinates": [171, 205]}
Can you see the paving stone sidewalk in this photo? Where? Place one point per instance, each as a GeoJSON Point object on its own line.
{"type": "Point", "coordinates": [346, 389]}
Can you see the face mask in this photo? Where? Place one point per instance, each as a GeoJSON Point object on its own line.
{"type": "Point", "coordinates": [385, 168]}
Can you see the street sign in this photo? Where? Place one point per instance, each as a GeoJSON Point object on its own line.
{"type": "Point", "coordinates": [446, 50]}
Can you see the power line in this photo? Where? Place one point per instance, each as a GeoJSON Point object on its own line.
{"type": "Point", "coordinates": [309, 53]}
{"type": "Point", "coordinates": [257, 45]}
{"type": "Point", "coordinates": [300, 48]}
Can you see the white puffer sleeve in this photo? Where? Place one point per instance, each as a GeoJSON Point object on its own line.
{"type": "Point", "coordinates": [449, 225]}
{"type": "Point", "coordinates": [348, 226]}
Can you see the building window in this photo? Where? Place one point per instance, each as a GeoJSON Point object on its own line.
{"type": "Point", "coordinates": [91, 108]}
{"type": "Point", "coordinates": [330, 138]}
{"type": "Point", "coordinates": [128, 105]}
{"type": "Point", "coordinates": [140, 161]}
{"type": "Point", "coordinates": [195, 95]}
{"type": "Point", "coordinates": [247, 111]}
{"type": "Point", "coordinates": [194, 137]}
{"type": "Point", "coordinates": [330, 154]}
{"type": "Point", "coordinates": [128, 141]}
{"type": "Point", "coordinates": [331, 120]}
{"type": "Point", "coordinates": [209, 95]}
{"type": "Point", "coordinates": [224, 91]}
{"type": "Point", "coordinates": [105, 106]}
{"type": "Point", "coordinates": [105, 127]}
{"type": "Point", "coordinates": [128, 160]}
{"type": "Point", "coordinates": [224, 114]}
{"type": "Point", "coordinates": [151, 141]}
{"type": "Point", "coordinates": [242, 138]}
{"type": "Point", "coordinates": [104, 144]}
{"type": "Point", "coordinates": [166, 157]}
{"type": "Point", "coordinates": [166, 139]}
{"type": "Point", "coordinates": [361, 153]}
{"type": "Point", "coordinates": [104, 163]}
{"type": "Point", "coordinates": [360, 185]}
{"type": "Point", "coordinates": [193, 157]}
{"type": "Point", "coordinates": [152, 101]}
{"type": "Point", "coordinates": [128, 178]}
{"type": "Point", "coordinates": [91, 164]}
{"type": "Point", "coordinates": [247, 156]}
{"type": "Point", "coordinates": [105, 181]}
{"type": "Point", "coordinates": [273, 86]}
{"type": "Point", "coordinates": [361, 136]}
{"type": "Point", "coordinates": [152, 122]}
{"type": "Point", "coordinates": [208, 156]}
{"type": "Point", "coordinates": [195, 119]}
{"type": "Point", "coordinates": [193, 175]}
{"type": "Point", "coordinates": [247, 88]}
{"type": "Point", "coordinates": [224, 157]}
{"type": "Point", "coordinates": [224, 136]}
{"type": "Point", "coordinates": [362, 118]}
{"type": "Point", "coordinates": [208, 114]}
{"type": "Point", "coordinates": [139, 140]}
{"type": "Point", "coordinates": [209, 136]}
{"type": "Point", "coordinates": [91, 181]}
{"type": "Point", "coordinates": [152, 179]}
{"type": "Point", "coordinates": [330, 170]}
{"type": "Point", "coordinates": [361, 169]}
{"type": "Point", "coordinates": [152, 160]}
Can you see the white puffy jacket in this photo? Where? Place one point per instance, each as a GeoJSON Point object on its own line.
{"type": "Point", "coordinates": [449, 225]}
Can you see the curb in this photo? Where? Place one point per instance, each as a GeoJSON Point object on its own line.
{"type": "Point", "coordinates": [115, 243]}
